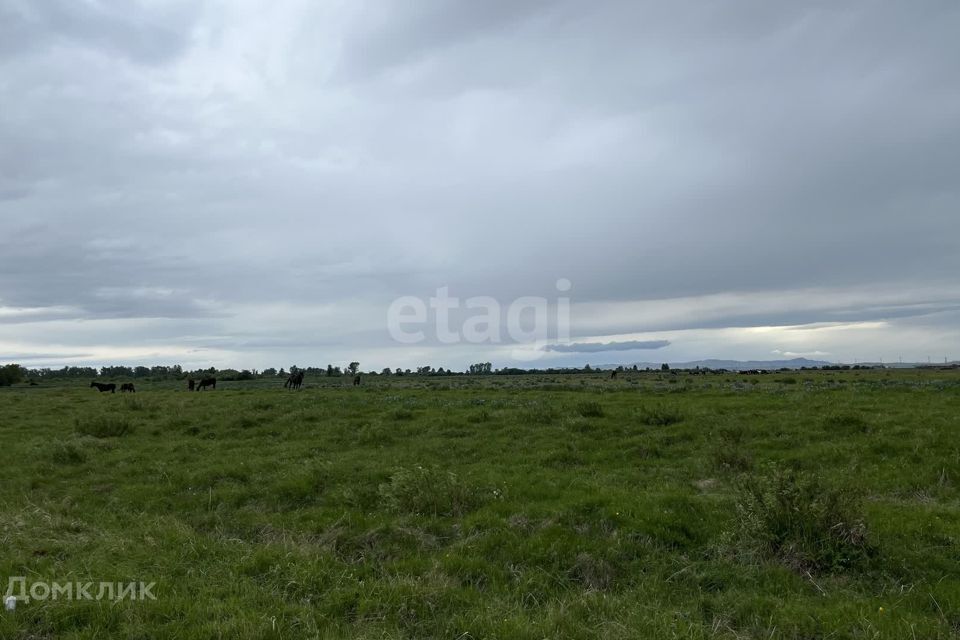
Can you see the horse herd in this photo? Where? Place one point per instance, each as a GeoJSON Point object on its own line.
{"type": "Point", "coordinates": [112, 388]}
{"type": "Point", "coordinates": [295, 381]}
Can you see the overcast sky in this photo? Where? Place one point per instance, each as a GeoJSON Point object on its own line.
{"type": "Point", "coordinates": [252, 184]}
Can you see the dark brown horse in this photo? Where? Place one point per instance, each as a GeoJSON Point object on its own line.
{"type": "Point", "coordinates": [191, 384]}
{"type": "Point", "coordinates": [207, 382]}
{"type": "Point", "coordinates": [295, 381]}
{"type": "Point", "coordinates": [356, 380]}
{"type": "Point", "coordinates": [103, 388]}
{"type": "Point", "coordinates": [127, 386]}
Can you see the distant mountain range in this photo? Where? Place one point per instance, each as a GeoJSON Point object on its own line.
{"type": "Point", "coordinates": [732, 365]}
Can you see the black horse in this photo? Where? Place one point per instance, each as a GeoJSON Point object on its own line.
{"type": "Point", "coordinates": [191, 384]}
{"type": "Point", "coordinates": [295, 381]}
{"type": "Point", "coordinates": [207, 382]}
{"type": "Point", "coordinates": [127, 386]}
{"type": "Point", "coordinates": [356, 380]}
{"type": "Point", "coordinates": [103, 388]}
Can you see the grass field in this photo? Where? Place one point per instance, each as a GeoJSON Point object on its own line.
{"type": "Point", "coordinates": [792, 505]}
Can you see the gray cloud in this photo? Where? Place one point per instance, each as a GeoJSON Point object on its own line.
{"type": "Point", "coordinates": [29, 357]}
{"type": "Point", "coordinates": [596, 347]}
{"type": "Point", "coordinates": [141, 33]}
{"type": "Point", "coordinates": [265, 183]}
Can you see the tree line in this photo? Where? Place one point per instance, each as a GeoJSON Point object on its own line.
{"type": "Point", "coordinates": [14, 373]}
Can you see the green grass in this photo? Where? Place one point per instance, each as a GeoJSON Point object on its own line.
{"type": "Point", "coordinates": [104, 426]}
{"type": "Point", "coordinates": [651, 506]}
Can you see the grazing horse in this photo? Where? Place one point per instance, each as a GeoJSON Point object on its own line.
{"type": "Point", "coordinates": [295, 381]}
{"type": "Point", "coordinates": [207, 382]}
{"type": "Point", "coordinates": [102, 388]}
{"type": "Point", "coordinates": [127, 386]}
{"type": "Point", "coordinates": [191, 384]}
{"type": "Point", "coordinates": [356, 380]}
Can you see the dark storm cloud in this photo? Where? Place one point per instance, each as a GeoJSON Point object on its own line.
{"type": "Point", "coordinates": [596, 347]}
{"type": "Point", "coordinates": [267, 178]}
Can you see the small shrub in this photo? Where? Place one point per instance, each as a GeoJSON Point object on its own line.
{"type": "Point", "coordinates": [135, 404]}
{"type": "Point", "coordinates": [247, 421]}
{"type": "Point", "coordinates": [68, 453]}
{"type": "Point", "coordinates": [590, 409]}
{"type": "Point", "coordinates": [730, 458]}
{"type": "Point", "coordinates": [731, 435]}
{"type": "Point", "coordinates": [580, 424]}
{"type": "Point", "coordinates": [847, 421]}
{"type": "Point", "coordinates": [660, 416]}
{"type": "Point", "coordinates": [594, 574]}
{"type": "Point", "coordinates": [538, 413]}
{"type": "Point", "coordinates": [481, 416]}
{"type": "Point", "coordinates": [301, 488]}
{"type": "Point", "coordinates": [795, 520]}
{"type": "Point", "coordinates": [426, 491]}
{"type": "Point", "coordinates": [564, 457]}
{"type": "Point", "coordinates": [104, 426]}
{"type": "Point", "coordinates": [403, 414]}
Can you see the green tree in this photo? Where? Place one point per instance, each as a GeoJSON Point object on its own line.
{"type": "Point", "coordinates": [10, 374]}
{"type": "Point", "coordinates": [480, 368]}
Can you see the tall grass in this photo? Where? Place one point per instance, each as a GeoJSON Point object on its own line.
{"type": "Point", "coordinates": [104, 426]}
{"type": "Point", "coordinates": [796, 520]}
{"type": "Point", "coordinates": [590, 409]}
{"type": "Point", "coordinates": [430, 491]}
{"type": "Point", "coordinates": [660, 416]}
